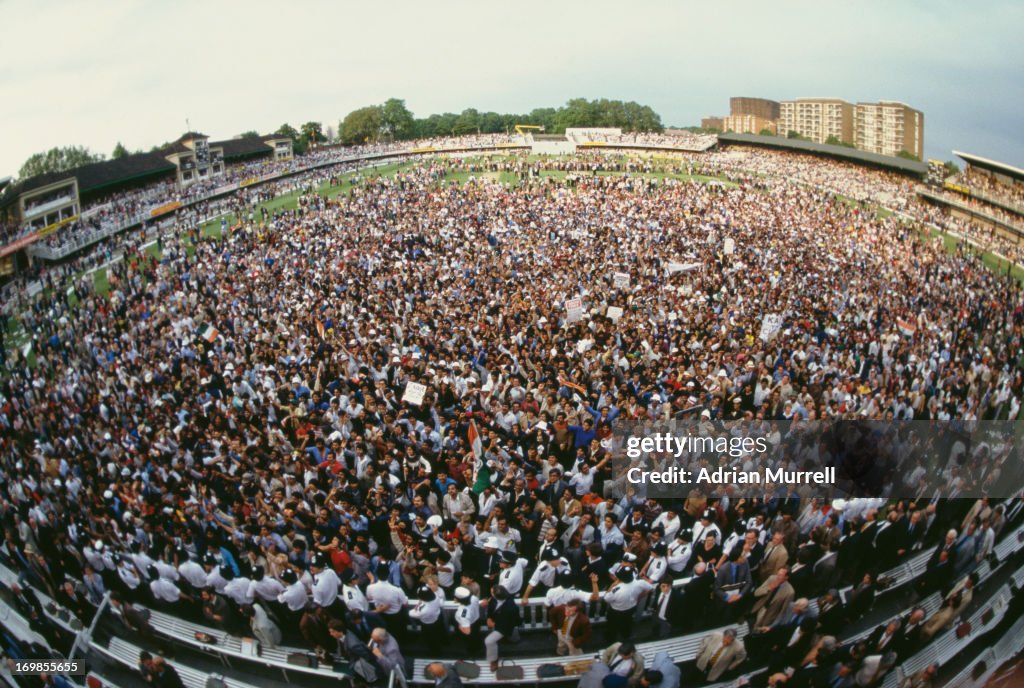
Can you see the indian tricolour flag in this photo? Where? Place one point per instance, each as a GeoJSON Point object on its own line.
{"type": "Point", "coordinates": [906, 327]}
{"type": "Point", "coordinates": [210, 334]}
{"type": "Point", "coordinates": [475, 442]}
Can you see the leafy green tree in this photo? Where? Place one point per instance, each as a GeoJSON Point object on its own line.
{"type": "Point", "coordinates": [907, 155]}
{"type": "Point", "coordinates": [767, 132]}
{"type": "Point", "coordinates": [833, 140]}
{"type": "Point", "coordinates": [468, 122]}
{"type": "Point", "coordinates": [251, 134]}
{"type": "Point", "coordinates": [58, 159]}
{"type": "Point", "coordinates": [362, 126]}
{"type": "Point", "coordinates": [492, 123]}
{"type": "Point", "coordinates": [119, 152]}
{"type": "Point", "coordinates": [289, 131]}
{"type": "Point", "coordinates": [312, 132]}
{"type": "Point", "coordinates": [299, 144]}
{"type": "Point", "coordinates": [951, 168]}
{"type": "Point", "coordinates": [398, 122]}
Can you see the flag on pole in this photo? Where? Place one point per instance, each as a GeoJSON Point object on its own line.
{"type": "Point", "coordinates": [475, 442]}
{"type": "Point", "coordinates": [210, 334]}
{"type": "Point", "coordinates": [906, 328]}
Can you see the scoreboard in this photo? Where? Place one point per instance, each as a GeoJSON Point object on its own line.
{"type": "Point", "coordinates": [936, 173]}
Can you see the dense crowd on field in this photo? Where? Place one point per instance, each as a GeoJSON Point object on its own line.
{"type": "Point", "coordinates": [234, 434]}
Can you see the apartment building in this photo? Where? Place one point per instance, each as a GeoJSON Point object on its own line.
{"type": "Point", "coordinates": [817, 119]}
{"type": "Point", "coordinates": [761, 108]}
{"type": "Point", "coordinates": [748, 124]}
{"type": "Point", "coordinates": [889, 127]}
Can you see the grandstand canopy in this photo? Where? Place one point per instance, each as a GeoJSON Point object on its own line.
{"type": "Point", "coordinates": [991, 165]}
{"type": "Point", "coordinates": [913, 167]}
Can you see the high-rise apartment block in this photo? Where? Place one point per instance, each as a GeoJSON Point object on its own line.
{"type": "Point", "coordinates": [817, 119]}
{"type": "Point", "coordinates": [889, 127]}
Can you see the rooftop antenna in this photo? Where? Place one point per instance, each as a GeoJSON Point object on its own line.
{"type": "Point", "coordinates": [188, 127]}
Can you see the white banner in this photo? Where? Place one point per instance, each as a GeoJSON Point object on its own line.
{"type": "Point", "coordinates": [614, 312]}
{"type": "Point", "coordinates": [414, 392]}
{"type": "Point", "coordinates": [574, 310]}
{"type": "Point", "coordinates": [673, 268]}
{"type": "Point", "coordinates": [770, 326]}
{"type": "Point", "coordinates": [729, 246]}
{"type": "Point", "coordinates": [621, 280]}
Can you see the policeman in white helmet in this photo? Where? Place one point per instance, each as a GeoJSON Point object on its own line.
{"type": "Point", "coordinates": [467, 622]}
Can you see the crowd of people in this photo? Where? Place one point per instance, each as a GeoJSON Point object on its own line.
{"type": "Point", "coordinates": [234, 432]}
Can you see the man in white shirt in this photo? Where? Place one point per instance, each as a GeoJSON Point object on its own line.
{"type": "Point", "coordinates": [294, 597]}
{"type": "Point", "coordinates": [163, 590]}
{"type": "Point", "coordinates": [351, 595]}
{"type": "Point", "coordinates": [467, 622]}
{"type": "Point", "coordinates": [428, 612]}
{"type": "Point", "coordinates": [511, 576]}
{"type": "Point", "coordinates": [389, 601]}
{"type": "Point", "coordinates": [264, 587]}
{"type": "Point", "coordinates": [678, 553]}
{"type": "Point", "coordinates": [657, 566]}
{"type": "Point", "coordinates": [193, 573]}
{"type": "Point", "coordinates": [552, 564]}
{"type": "Point", "coordinates": [669, 522]}
{"type": "Point", "coordinates": [325, 582]}
{"type": "Point", "coordinates": [239, 589]}
{"type": "Point", "coordinates": [622, 598]}
{"type": "Point", "coordinates": [565, 591]}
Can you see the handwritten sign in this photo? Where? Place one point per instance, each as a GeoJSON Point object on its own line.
{"type": "Point", "coordinates": [414, 393]}
{"type": "Point", "coordinates": [574, 310]}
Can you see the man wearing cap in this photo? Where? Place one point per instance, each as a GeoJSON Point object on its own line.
{"type": "Point", "coordinates": [467, 622]}
{"type": "Point", "coordinates": [490, 564]}
{"type": "Point", "coordinates": [294, 598]}
{"type": "Point", "coordinates": [264, 587]}
{"type": "Point", "coordinates": [193, 573]}
{"type": "Point", "coordinates": [622, 598]}
{"type": "Point", "coordinates": [389, 601]}
{"type": "Point", "coordinates": [511, 576]}
{"type": "Point", "coordinates": [552, 564]}
{"type": "Point", "coordinates": [428, 611]}
{"type": "Point", "coordinates": [325, 584]}
{"type": "Point", "coordinates": [678, 554]}
{"type": "Point", "coordinates": [706, 525]}
{"type": "Point", "coordinates": [351, 595]}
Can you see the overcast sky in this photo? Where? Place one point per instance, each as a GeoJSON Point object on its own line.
{"type": "Point", "coordinates": [95, 73]}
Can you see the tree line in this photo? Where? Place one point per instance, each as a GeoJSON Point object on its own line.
{"type": "Point", "coordinates": [393, 121]}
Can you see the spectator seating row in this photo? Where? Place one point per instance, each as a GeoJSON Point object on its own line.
{"type": "Point", "coordinates": [681, 648]}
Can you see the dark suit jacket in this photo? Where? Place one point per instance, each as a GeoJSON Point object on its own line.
{"type": "Point", "coordinates": [697, 594]}
{"type": "Point", "coordinates": [451, 679]}
{"type": "Point", "coordinates": [676, 605]}
{"type": "Point", "coordinates": [725, 578]}
{"type": "Point", "coordinates": [506, 615]}
{"type": "Point", "coordinates": [579, 631]}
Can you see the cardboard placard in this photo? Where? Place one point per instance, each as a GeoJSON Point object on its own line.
{"type": "Point", "coordinates": [414, 393]}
